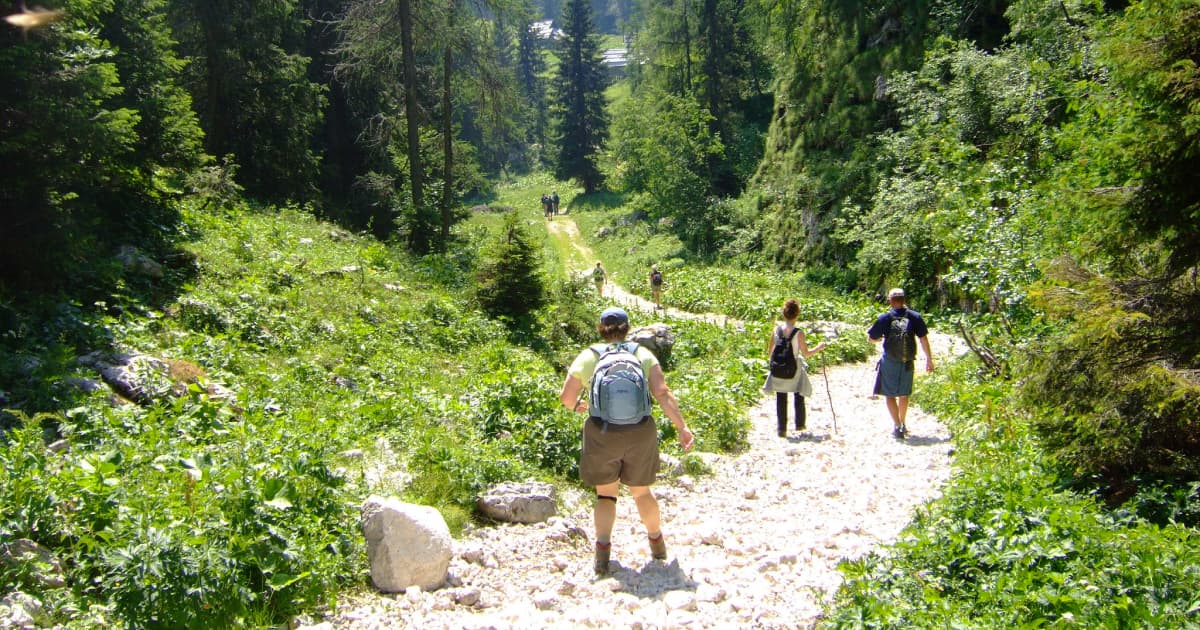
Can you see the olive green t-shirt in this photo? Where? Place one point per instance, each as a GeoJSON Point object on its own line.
{"type": "Point", "coordinates": [585, 364]}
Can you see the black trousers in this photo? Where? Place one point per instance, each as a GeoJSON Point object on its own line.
{"type": "Point", "coordinates": [781, 410]}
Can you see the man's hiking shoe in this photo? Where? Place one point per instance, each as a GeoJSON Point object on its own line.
{"type": "Point", "coordinates": [899, 433]}
{"type": "Point", "coordinates": [783, 433]}
{"type": "Point", "coordinates": [658, 547]}
{"type": "Point", "coordinates": [800, 426]}
{"type": "Point", "coordinates": [602, 552]}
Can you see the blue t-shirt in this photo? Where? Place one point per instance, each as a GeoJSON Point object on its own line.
{"type": "Point", "coordinates": [916, 325]}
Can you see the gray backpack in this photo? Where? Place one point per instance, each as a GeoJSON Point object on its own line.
{"type": "Point", "coordinates": [620, 390]}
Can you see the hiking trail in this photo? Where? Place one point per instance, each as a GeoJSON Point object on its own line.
{"type": "Point", "coordinates": [754, 544]}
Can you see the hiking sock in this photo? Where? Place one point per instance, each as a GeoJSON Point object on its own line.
{"type": "Point", "coordinates": [658, 546]}
{"type": "Point", "coordinates": [603, 551]}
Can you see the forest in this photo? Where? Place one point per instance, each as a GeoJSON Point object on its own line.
{"type": "Point", "coordinates": [314, 214]}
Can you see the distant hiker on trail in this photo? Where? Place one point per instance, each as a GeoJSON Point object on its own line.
{"type": "Point", "coordinates": [554, 201]}
{"type": "Point", "coordinates": [598, 277]}
{"type": "Point", "coordinates": [620, 438]}
{"type": "Point", "coordinates": [789, 372]}
{"type": "Point", "coordinates": [547, 207]}
{"type": "Point", "coordinates": [656, 282]}
{"type": "Point", "coordinates": [898, 329]}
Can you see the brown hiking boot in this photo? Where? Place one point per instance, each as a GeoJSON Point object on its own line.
{"type": "Point", "coordinates": [658, 548]}
{"type": "Point", "coordinates": [602, 552]}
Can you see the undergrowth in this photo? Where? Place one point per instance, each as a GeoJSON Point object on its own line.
{"type": "Point", "coordinates": [1008, 545]}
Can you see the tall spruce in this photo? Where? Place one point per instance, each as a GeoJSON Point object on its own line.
{"type": "Point", "coordinates": [581, 117]}
{"type": "Point", "coordinates": [251, 89]}
{"type": "Point", "coordinates": [94, 134]}
{"type": "Point", "coordinates": [530, 66]}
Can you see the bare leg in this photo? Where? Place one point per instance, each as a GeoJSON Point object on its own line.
{"type": "Point", "coordinates": [647, 507]}
{"type": "Point", "coordinates": [605, 512]}
{"type": "Point", "coordinates": [893, 407]}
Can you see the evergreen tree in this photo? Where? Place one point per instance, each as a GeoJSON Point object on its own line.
{"type": "Point", "coordinates": [94, 132]}
{"type": "Point", "coordinates": [530, 66]}
{"type": "Point", "coordinates": [582, 120]}
{"type": "Point", "coordinates": [251, 89]}
{"type": "Point", "coordinates": [510, 279]}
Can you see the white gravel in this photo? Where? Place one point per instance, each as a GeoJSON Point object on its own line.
{"type": "Point", "coordinates": [755, 544]}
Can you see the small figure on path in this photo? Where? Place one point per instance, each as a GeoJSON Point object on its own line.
{"type": "Point", "coordinates": [898, 329]}
{"type": "Point", "coordinates": [547, 207]}
{"type": "Point", "coordinates": [554, 201]}
{"type": "Point", "coordinates": [789, 371]}
{"type": "Point", "coordinates": [598, 277]}
{"type": "Point", "coordinates": [656, 282]}
{"type": "Point", "coordinates": [619, 447]}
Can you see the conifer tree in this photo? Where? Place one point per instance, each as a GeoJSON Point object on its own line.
{"type": "Point", "coordinates": [530, 66]}
{"type": "Point", "coordinates": [582, 121]}
{"type": "Point", "coordinates": [510, 281]}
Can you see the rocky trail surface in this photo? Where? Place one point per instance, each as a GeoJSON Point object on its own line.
{"type": "Point", "coordinates": [756, 543]}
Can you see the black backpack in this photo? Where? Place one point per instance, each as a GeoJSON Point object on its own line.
{"type": "Point", "coordinates": [656, 278]}
{"type": "Point", "coordinates": [899, 344]}
{"type": "Point", "coordinates": [783, 359]}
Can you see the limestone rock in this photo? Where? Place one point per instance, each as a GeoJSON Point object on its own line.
{"type": "Point", "coordinates": [657, 338]}
{"type": "Point", "coordinates": [527, 502]}
{"type": "Point", "coordinates": [408, 545]}
{"type": "Point", "coordinates": [133, 260]}
{"type": "Point", "coordinates": [45, 567]}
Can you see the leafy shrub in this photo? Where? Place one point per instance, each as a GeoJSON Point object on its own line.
{"type": "Point", "coordinates": [1007, 546]}
{"type": "Point", "coordinates": [1115, 382]}
{"type": "Point", "coordinates": [510, 282]}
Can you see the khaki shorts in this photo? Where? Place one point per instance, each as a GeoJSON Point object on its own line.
{"type": "Point", "coordinates": [626, 453]}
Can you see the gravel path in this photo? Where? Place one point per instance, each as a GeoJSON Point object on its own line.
{"type": "Point", "coordinates": [754, 544]}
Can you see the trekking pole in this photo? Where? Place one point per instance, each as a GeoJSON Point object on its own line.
{"type": "Point", "coordinates": [828, 393]}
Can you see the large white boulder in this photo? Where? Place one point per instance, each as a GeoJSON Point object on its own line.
{"type": "Point", "coordinates": [407, 544]}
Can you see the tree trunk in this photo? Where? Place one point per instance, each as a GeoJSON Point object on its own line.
{"type": "Point", "coordinates": [447, 141]}
{"type": "Point", "coordinates": [418, 237]}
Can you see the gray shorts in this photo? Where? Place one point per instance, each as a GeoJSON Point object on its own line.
{"type": "Point", "coordinates": [626, 453]}
{"type": "Point", "coordinates": [895, 377]}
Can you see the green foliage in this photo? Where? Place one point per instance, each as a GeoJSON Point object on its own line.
{"type": "Point", "coordinates": [248, 80]}
{"type": "Point", "coordinates": [1006, 546]}
{"type": "Point", "coordinates": [581, 119]}
{"type": "Point", "coordinates": [510, 281]}
{"type": "Point", "coordinates": [1117, 378]}
{"type": "Point", "coordinates": [97, 133]}
{"type": "Point", "coordinates": [1153, 51]}
{"type": "Point", "coordinates": [662, 146]}
{"type": "Point", "coordinates": [950, 219]}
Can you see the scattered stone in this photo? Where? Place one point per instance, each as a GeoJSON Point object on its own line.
{"type": "Point", "coordinates": [545, 601]}
{"type": "Point", "coordinates": [466, 596]}
{"type": "Point", "coordinates": [408, 545]}
{"type": "Point", "coordinates": [656, 338]}
{"type": "Point", "coordinates": [41, 562]}
{"type": "Point", "coordinates": [528, 502]}
{"type": "Point", "coordinates": [133, 260]}
{"type": "Point", "coordinates": [679, 600]}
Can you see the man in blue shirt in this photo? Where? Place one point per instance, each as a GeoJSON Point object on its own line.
{"type": "Point", "coordinates": [899, 329]}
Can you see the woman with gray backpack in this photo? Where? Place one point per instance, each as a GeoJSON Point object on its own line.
{"type": "Point", "coordinates": [620, 437]}
{"type": "Point", "coordinates": [788, 373]}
